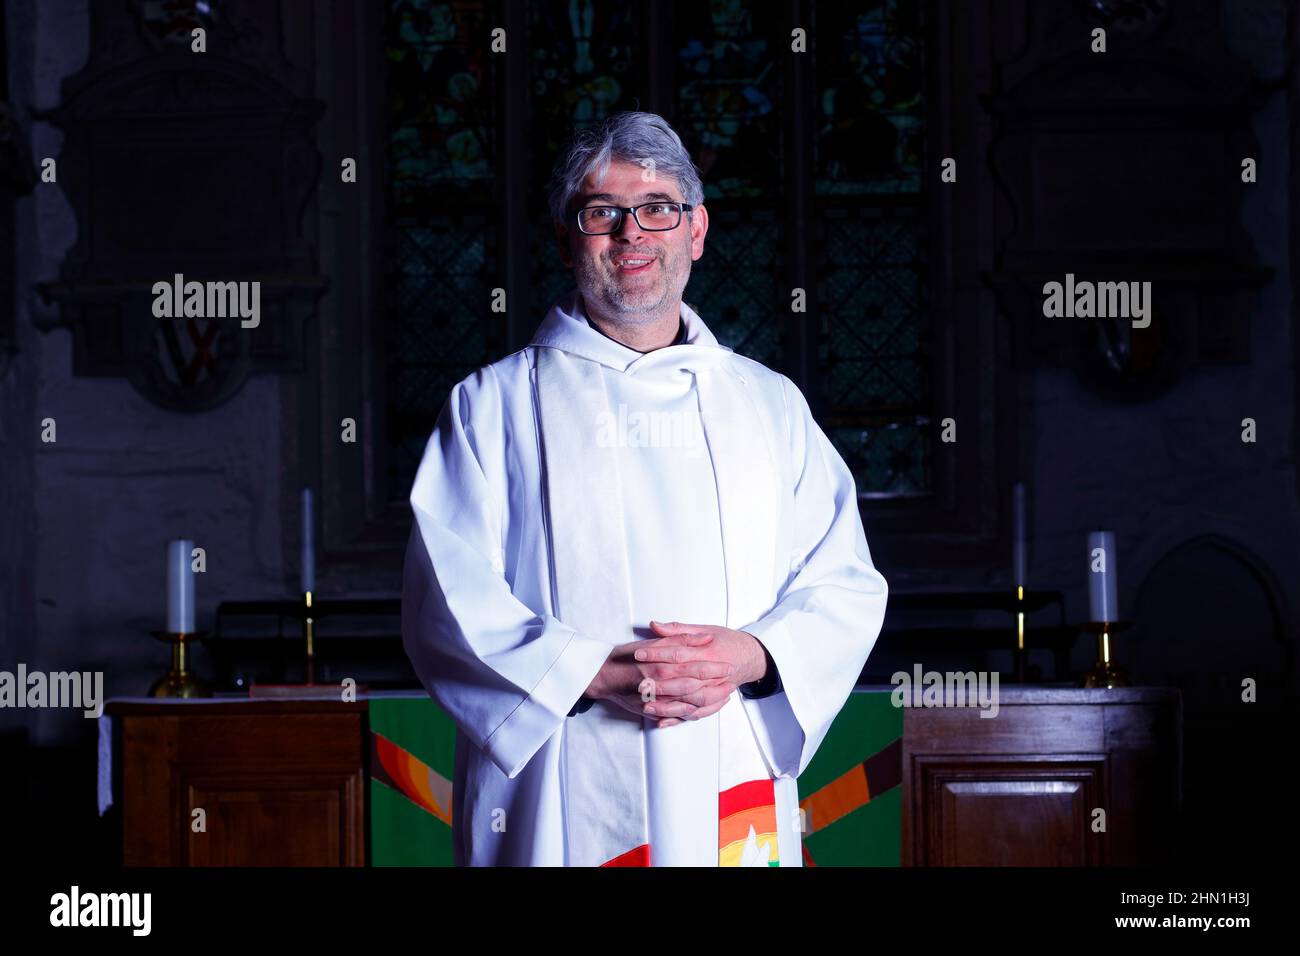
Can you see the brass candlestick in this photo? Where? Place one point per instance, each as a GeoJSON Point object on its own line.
{"type": "Point", "coordinates": [309, 633]}
{"type": "Point", "coordinates": [179, 681]}
{"type": "Point", "coordinates": [1020, 634]}
{"type": "Point", "coordinates": [1105, 673]}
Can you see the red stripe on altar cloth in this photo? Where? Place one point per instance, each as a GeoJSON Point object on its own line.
{"type": "Point", "coordinates": [744, 796]}
{"type": "Point", "coordinates": [638, 856]}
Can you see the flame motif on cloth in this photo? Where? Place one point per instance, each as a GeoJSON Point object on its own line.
{"type": "Point", "coordinates": [746, 829]}
{"type": "Point", "coordinates": [396, 767]}
{"type": "Point", "coordinates": [747, 825]}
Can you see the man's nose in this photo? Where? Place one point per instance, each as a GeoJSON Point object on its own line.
{"type": "Point", "coordinates": [629, 226]}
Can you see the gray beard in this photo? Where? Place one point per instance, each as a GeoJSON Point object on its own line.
{"type": "Point", "coordinates": [592, 283]}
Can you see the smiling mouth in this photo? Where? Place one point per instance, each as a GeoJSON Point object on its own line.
{"type": "Point", "coordinates": [631, 264]}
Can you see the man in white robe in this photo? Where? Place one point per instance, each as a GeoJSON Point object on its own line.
{"type": "Point", "coordinates": [637, 579]}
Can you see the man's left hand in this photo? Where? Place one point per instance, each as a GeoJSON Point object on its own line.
{"type": "Point", "coordinates": [741, 650]}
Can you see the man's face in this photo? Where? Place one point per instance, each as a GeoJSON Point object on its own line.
{"type": "Point", "coordinates": [602, 267]}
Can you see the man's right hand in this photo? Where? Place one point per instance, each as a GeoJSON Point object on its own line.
{"type": "Point", "coordinates": [624, 680]}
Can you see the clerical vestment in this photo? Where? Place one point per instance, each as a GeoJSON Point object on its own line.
{"type": "Point", "coordinates": [570, 493]}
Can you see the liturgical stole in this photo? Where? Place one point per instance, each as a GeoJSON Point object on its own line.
{"type": "Point", "coordinates": [607, 796]}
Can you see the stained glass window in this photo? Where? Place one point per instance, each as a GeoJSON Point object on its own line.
{"type": "Point", "coordinates": [581, 57]}
{"type": "Point", "coordinates": [440, 230]}
{"type": "Point", "coordinates": [440, 103]}
{"type": "Point", "coordinates": [873, 352]}
{"type": "Point", "coordinates": [867, 346]}
{"type": "Point", "coordinates": [872, 355]}
{"type": "Point", "coordinates": [870, 87]}
{"type": "Point", "coordinates": [580, 72]}
{"type": "Point", "coordinates": [733, 286]}
{"type": "Point", "coordinates": [727, 82]}
{"type": "Point", "coordinates": [728, 78]}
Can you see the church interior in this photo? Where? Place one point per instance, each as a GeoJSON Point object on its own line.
{"type": "Point", "coordinates": [1030, 264]}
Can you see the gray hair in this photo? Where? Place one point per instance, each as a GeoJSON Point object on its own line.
{"type": "Point", "coordinates": [629, 136]}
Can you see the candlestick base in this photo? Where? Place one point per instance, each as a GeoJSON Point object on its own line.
{"type": "Point", "coordinates": [179, 681]}
{"type": "Point", "coordinates": [1105, 672]}
{"type": "Point", "coordinates": [1107, 675]}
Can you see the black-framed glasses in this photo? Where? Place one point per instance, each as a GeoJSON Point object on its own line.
{"type": "Point", "coordinates": [656, 216]}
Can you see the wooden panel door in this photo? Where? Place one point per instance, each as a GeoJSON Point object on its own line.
{"type": "Point", "coordinates": [256, 783]}
{"type": "Point", "coordinates": [284, 818]}
{"type": "Point", "coordinates": [990, 811]}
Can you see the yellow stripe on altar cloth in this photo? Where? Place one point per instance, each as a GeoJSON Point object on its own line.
{"type": "Point", "coordinates": [762, 852]}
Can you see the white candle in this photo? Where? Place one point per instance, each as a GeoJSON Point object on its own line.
{"type": "Point", "coordinates": [308, 543]}
{"type": "Point", "coordinates": [1019, 534]}
{"type": "Point", "coordinates": [1103, 604]}
{"type": "Point", "coordinates": [180, 587]}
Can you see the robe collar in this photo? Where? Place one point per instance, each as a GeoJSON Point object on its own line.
{"type": "Point", "coordinates": [681, 330]}
{"type": "Point", "coordinates": [566, 328]}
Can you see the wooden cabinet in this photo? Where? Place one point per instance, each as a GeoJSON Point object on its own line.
{"type": "Point", "coordinates": [1024, 788]}
{"type": "Point", "coordinates": [277, 783]}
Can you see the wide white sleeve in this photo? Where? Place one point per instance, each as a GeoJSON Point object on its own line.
{"type": "Point", "coordinates": [830, 611]}
{"type": "Point", "coordinates": [506, 674]}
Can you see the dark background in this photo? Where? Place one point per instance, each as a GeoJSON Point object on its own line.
{"type": "Point", "coordinates": [821, 172]}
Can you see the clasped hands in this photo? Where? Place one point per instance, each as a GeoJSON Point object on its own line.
{"type": "Point", "coordinates": [686, 673]}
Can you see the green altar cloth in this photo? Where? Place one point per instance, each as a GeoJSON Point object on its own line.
{"type": "Point", "coordinates": [851, 792]}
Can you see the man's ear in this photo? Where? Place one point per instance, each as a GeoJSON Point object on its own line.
{"type": "Point", "coordinates": [562, 243]}
{"type": "Point", "coordinates": [699, 226]}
